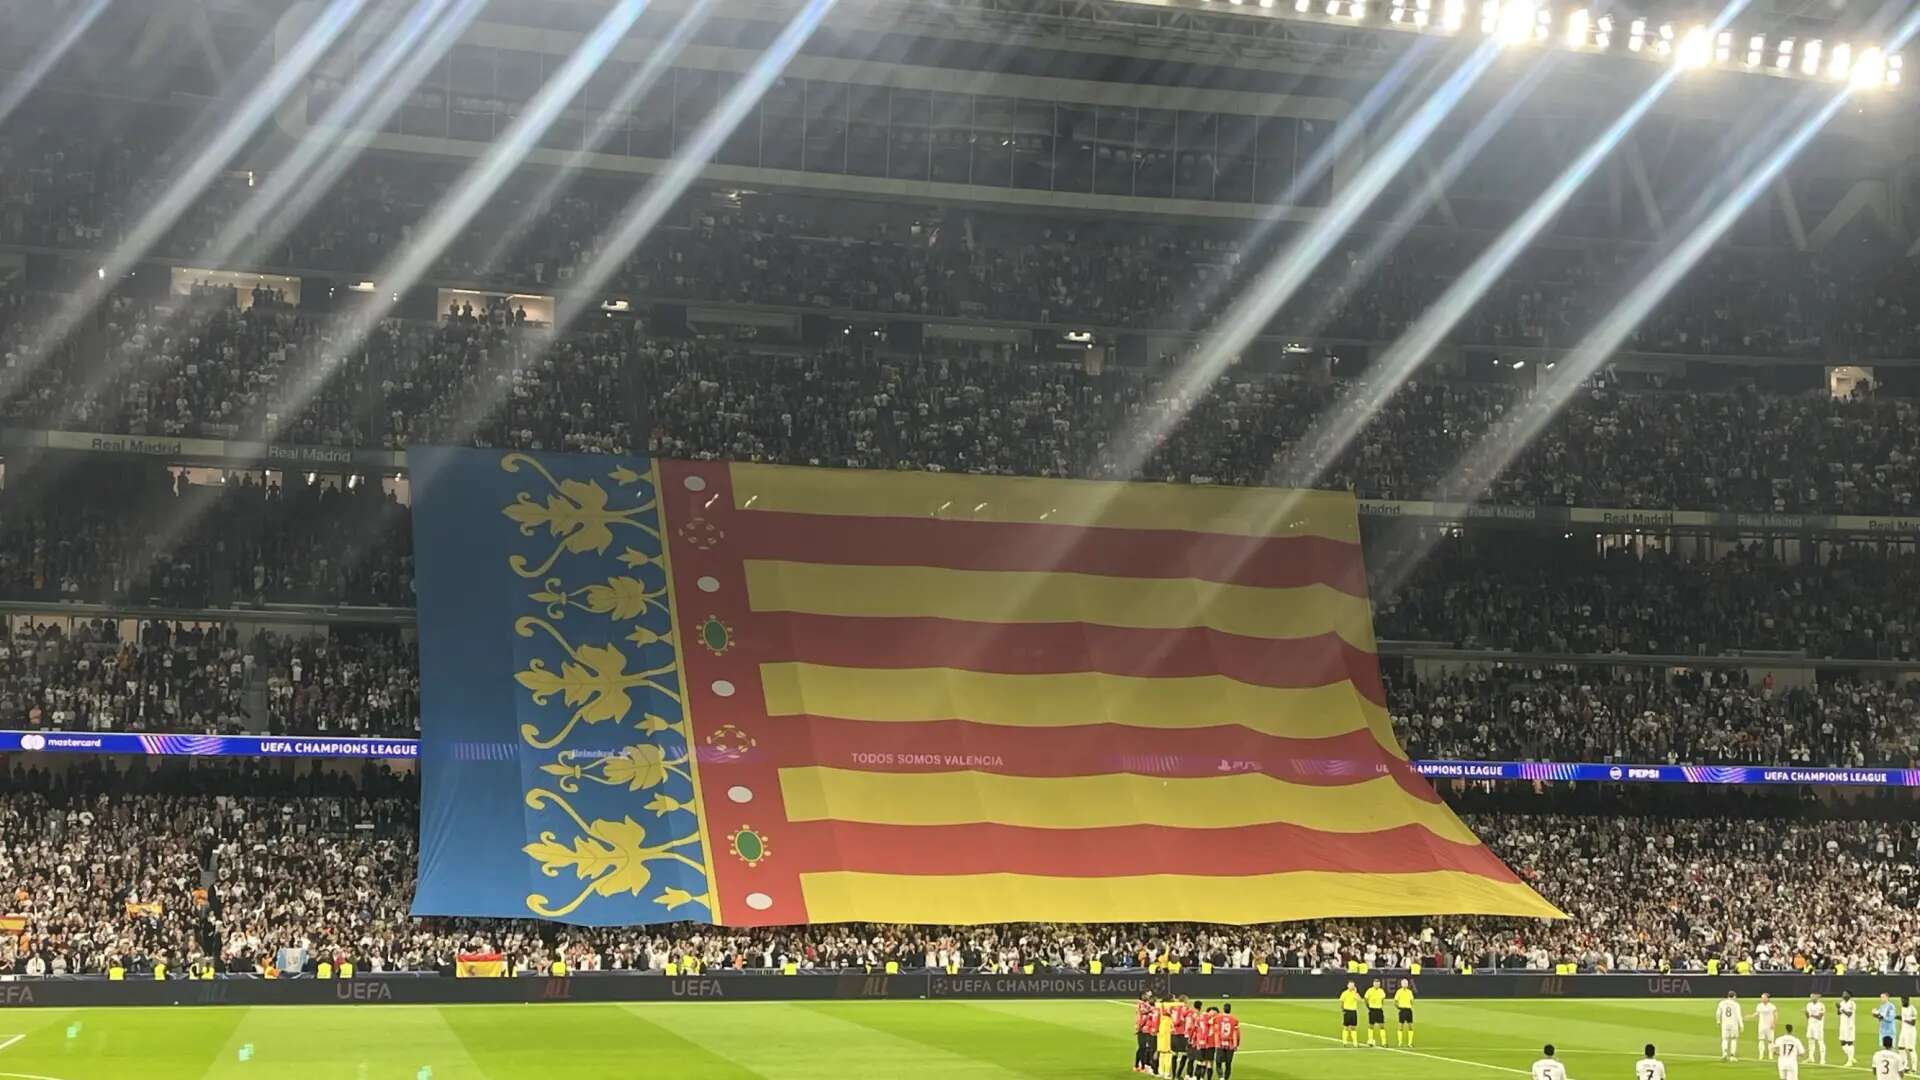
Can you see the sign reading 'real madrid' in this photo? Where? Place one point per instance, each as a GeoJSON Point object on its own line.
{"type": "Point", "coordinates": [752, 695]}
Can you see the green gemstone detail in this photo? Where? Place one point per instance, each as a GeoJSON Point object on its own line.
{"type": "Point", "coordinates": [713, 633]}
{"type": "Point", "coordinates": [748, 845]}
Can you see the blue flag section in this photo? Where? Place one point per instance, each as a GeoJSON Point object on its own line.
{"type": "Point", "coordinates": [556, 775]}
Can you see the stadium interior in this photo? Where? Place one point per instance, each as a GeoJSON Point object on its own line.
{"type": "Point", "coordinates": [1599, 327]}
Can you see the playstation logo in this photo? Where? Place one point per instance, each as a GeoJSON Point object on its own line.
{"type": "Point", "coordinates": [33, 742]}
{"type": "Point", "coordinates": [1614, 773]}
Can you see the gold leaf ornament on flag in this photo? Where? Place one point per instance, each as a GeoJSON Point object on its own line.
{"type": "Point", "coordinates": [575, 511]}
{"type": "Point", "coordinates": [671, 898]}
{"type": "Point", "coordinates": [664, 804]}
{"type": "Point", "coordinates": [639, 767]}
{"type": "Point", "coordinates": [594, 682]}
{"type": "Point", "coordinates": [620, 598]}
{"type": "Point", "coordinates": [611, 855]}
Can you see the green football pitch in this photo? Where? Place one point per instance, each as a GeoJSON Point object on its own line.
{"type": "Point", "coordinates": [1296, 1040]}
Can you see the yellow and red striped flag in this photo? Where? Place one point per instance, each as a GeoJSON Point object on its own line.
{"type": "Point", "coordinates": [958, 699]}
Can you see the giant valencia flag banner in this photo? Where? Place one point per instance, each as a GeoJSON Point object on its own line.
{"type": "Point", "coordinates": [759, 695]}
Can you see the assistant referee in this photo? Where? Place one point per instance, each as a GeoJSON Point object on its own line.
{"type": "Point", "coordinates": [1376, 1013]}
{"type": "Point", "coordinates": [1350, 1016]}
{"type": "Point", "coordinates": [1403, 1005]}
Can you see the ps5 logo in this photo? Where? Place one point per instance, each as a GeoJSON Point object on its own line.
{"type": "Point", "coordinates": [33, 742]}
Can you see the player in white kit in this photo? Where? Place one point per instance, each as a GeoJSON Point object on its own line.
{"type": "Point", "coordinates": [1728, 1015]}
{"type": "Point", "coordinates": [1649, 1067]}
{"type": "Point", "coordinates": [1787, 1052]}
{"type": "Point", "coordinates": [1909, 1028]}
{"type": "Point", "coordinates": [1816, 1030]}
{"type": "Point", "coordinates": [1764, 1015]}
{"type": "Point", "coordinates": [1888, 1063]}
{"type": "Point", "coordinates": [1547, 1068]}
{"type": "Point", "coordinates": [1848, 1031]}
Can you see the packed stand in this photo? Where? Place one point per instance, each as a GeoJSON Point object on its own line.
{"type": "Point", "coordinates": [164, 679]}
{"type": "Point", "coordinates": [145, 535]}
{"type": "Point", "coordinates": [251, 867]}
{"type": "Point", "coordinates": [360, 683]}
{"type": "Point", "coordinates": [1527, 594]}
{"type": "Point", "coordinates": [276, 374]}
{"type": "Point", "coordinates": [1651, 715]}
{"type": "Point", "coordinates": [69, 187]}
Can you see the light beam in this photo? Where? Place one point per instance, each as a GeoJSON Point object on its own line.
{"type": "Point", "coordinates": [1330, 437]}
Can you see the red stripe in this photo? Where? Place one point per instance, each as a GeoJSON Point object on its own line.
{"type": "Point", "coordinates": [1122, 851]}
{"type": "Point", "coordinates": [1085, 750]}
{"type": "Point", "coordinates": [1052, 648]}
{"type": "Point", "coordinates": [1262, 562]}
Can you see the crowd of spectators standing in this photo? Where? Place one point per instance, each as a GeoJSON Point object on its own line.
{"type": "Point", "coordinates": [163, 677]}
{"type": "Point", "coordinates": [67, 186]}
{"type": "Point", "coordinates": [1653, 715]}
{"type": "Point", "coordinates": [97, 531]}
{"type": "Point", "coordinates": [246, 867]}
{"type": "Point", "coordinates": [186, 678]}
{"type": "Point", "coordinates": [1529, 594]}
{"type": "Point", "coordinates": [365, 681]}
{"type": "Point", "coordinates": [354, 683]}
{"type": "Point", "coordinates": [278, 374]}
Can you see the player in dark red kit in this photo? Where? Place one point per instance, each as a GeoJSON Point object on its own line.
{"type": "Point", "coordinates": [1196, 1022]}
{"type": "Point", "coordinates": [1146, 1024]}
{"type": "Point", "coordinates": [1228, 1042]}
{"type": "Point", "coordinates": [1200, 1062]}
{"type": "Point", "coordinates": [1180, 1045]}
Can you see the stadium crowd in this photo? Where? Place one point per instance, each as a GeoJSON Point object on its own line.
{"type": "Point", "coordinates": [272, 374]}
{"type": "Point", "coordinates": [250, 866]}
{"type": "Point", "coordinates": [145, 535]}
{"type": "Point", "coordinates": [165, 678]}
{"type": "Point", "coordinates": [354, 684]}
{"type": "Point", "coordinates": [1654, 715]}
{"type": "Point", "coordinates": [1533, 595]}
{"type": "Point", "coordinates": [366, 682]}
{"type": "Point", "coordinates": [70, 187]}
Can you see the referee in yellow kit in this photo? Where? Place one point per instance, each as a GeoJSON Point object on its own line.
{"type": "Point", "coordinates": [1376, 1013]}
{"type": "Point", "coordinates": [1403, 1006]}
{"type": "Point", "coordinates": [1350, 1015]}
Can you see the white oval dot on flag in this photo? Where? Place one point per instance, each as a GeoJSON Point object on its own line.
{"type": "Point", "coordinates": [759, 901]}
{"type": "Point", "coordinates": [695, 483]}
{"type": "Point", "coordinates": [708, 583]}
{"type": "Point", "coordinates": [740, 794]}
{"type": "Point", "coordinates": [723, 688]}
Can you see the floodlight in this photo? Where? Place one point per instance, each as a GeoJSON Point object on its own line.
{"type": "Point", "coordinates": [1578, 24]}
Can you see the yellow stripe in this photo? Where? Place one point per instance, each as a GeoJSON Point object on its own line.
{"type": "Point", "coordinates": [915, 695]}
{"type": "Point", "coordinates": [1113, 800]}
{"type": "Point", "coordinates": [1019, 596]}
{"type": "Point", "coordinates": [1027, 500]}
{"type": "Point", "coordinates": [844, 896]}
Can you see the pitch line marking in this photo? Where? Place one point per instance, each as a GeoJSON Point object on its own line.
{"type": "Point", "coordinates": [9, 1040]}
